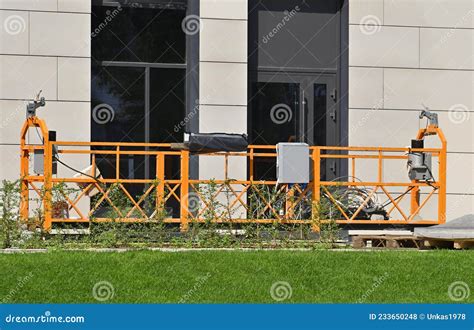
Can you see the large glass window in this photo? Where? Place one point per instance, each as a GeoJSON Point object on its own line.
{"type": "Point", "coordinates": [138, 76]}
{"type": "Point", "coordinates": [138, 34]}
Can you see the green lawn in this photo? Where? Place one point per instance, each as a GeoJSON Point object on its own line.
{"type": "Point", "coordinates": [236, 276]}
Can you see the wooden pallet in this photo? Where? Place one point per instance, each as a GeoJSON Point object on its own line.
{"type": "Point", "coordinates": [387, 241]}
{"type": "Point", "coordinates": [457, 244]}
{"type": "Point", "coordinates": [408, 241]}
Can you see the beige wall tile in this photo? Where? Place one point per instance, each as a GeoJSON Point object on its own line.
{"type": "Point", "coordinates": [382, 127]}
{"type": "Point", "coordinates": [10, 170]}
{"type": "Point", "coordinates": [75, 6]}
{"type": "Point", "coordinates": [460, 177]}
{"type": "Point", "coordinates": [366, 88]}
{"type": "Point", "coordinates": [14, 26]}
{"type": "Point", "coordinates": [222, 119]}
{"type": "Point", "coordinates": [459, 205]}
{"type": "Point", "coordinates": [21, 77]}
{"type": "Point", "coordinates": [74, 79]}
{"type": "Point", "coordinates": [213, 168]}
{"type": "Point", "coordinates": [365, 11]}
{"type": "Point", "coordinates": [223, 40]}
{"type": "Point", "coordinates": [60, 34]}
{"type": "Point", "coordinates": [45, 5]}
{"type": "Point", "coordinates": [233, 9]}
{"type": "Point", "coordinates": [447, 48]}
{"type": "Point", "coordinates": [223, 83]}
{"type": "Point", "coordinates": [431, 13]}
{"type": "Point", "coordinates": [437, 89]}
{"type": "Point", "coordinates": [388, 47]}
{"type": "Point", "coordinates": [458, 126]}
{"type": "Point", "coordinates": [12, 116]}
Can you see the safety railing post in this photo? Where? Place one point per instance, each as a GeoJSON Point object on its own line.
{"type": "Point", "coordinates": [442, 182]}
{"type": "Point", "coordinates": [48, 183]}
{"type": "Point", "coordinates": [160, 176]}
{"type": "Point", "coordinates": [25, 196]}
{"type": "Point", "coordinates": [184, 190]}
{"type": "Point", "coordinates": [316, 195]}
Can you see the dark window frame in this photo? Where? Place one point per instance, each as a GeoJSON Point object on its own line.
{"type": "Point", "coordinates": [191, 65]}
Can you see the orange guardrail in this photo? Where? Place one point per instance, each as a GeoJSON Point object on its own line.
{"type": "Point", "coordinates": [247, 200]}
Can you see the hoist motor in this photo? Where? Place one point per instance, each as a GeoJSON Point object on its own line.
{"type": "Point", "coordinates": [419, 163]}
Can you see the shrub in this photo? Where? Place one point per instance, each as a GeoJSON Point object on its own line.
{"type": "Point", "coordinates": [9, 213]}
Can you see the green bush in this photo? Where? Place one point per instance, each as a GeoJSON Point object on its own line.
{"type": "Point", "coordinates": [10, 229]}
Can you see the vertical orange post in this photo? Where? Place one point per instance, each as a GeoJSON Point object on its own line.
{"type": "Point", "coordinates": [160, 176]}
{"type": "Point", "coordinates": [442, 178]}
{"type": "Point", "coordinates": [289, 203]}
{"type": "Point", "coordinates": [184, 189]}
{"type": "Point", "coordinates": [94, 165]}
{"type": "Point", "coordinates": [117, 163]}
{"type": "Point", "coordinates": [48, 183]}
{"type": "Point", "coordinates": [226, 167]}
{"type": "Point", "coordinates": [414, 199]}
{"type": "Point", "coordinates": [251, 156]}
{"type": "Point", "coordinates": [316, 157]}
{"type": "Point", "coordinates": [353, 169]}
{"type": "Point", "coordinates": [25, 194]}
{"type": "Point", "coordinates": [380, 167]}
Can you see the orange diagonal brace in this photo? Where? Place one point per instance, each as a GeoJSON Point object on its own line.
{"type": "Point", "coordinates": [395, 203]}
{"type": "Point", "coordinates": [105, 195]}
{"type": "Point", "coordinates": [136, 206]}
{"type": "Point", "coordinates": [73, 205]}
{"type": "Point", "coordinates": [356, 213]}
{"type": "Point", "coordinates": [335, 202]}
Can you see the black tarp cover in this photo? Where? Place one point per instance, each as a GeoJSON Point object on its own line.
{"type": "Point", "coordinates": [199, 142]}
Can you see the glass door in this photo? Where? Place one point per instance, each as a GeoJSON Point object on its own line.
{"type": "Point", "coordinates": [293, 108]}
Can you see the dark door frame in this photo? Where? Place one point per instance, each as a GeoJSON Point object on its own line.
{"type": "Point", "coordinates": [341, 73]}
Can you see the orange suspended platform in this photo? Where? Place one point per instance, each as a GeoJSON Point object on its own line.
{"type": "Point", "coordinates": [185, 191]}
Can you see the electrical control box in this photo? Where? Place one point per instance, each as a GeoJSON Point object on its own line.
{"type": "Point", "coordinates": [38, 157]}
{"type": "Point", "coordinates": [293, 162]}
{"type": "Point", "coordinates": [419, 163]}
{"type": "Point", "coordinates": [38, 161]}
